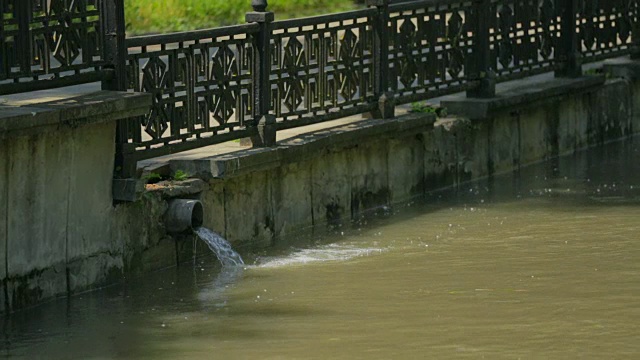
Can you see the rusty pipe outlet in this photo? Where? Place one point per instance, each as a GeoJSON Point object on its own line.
{"type": "Point", "coordinates": [183, 215]}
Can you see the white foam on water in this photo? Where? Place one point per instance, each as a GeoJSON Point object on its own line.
{"type": "Point", "coordinates": [326, 253]}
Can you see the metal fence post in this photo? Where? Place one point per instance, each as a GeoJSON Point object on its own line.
{"type": "Point", "coordinates": [569, 60]}
{"type": "Point", "coordinates": [266, 122]}
{"type": "Point", "coordinates": [23, 11]}
{"type": "Point", "coordinates": [480, 68]}
{"type": "Point", "coordinates": [386, 99]}
{"type": "Point", "coordinates": [114, 54]}
{"type": "Point", "coordinates": [113, 39]}
{"type": "Point", "coordinates": [634, 15]}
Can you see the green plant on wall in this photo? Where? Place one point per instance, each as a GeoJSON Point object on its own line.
{"type": "Point", "coordinates": [152, 178]}
{"type": "Point", "coordinates": [593, 71]}
{"type": "Point", "coordinates": [180, 175]}
{"type": "Point", "coordinates": [421, 107]}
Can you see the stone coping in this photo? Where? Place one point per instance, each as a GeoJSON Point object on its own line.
{"type": "Point", "coordinates": [622, 67]}
{"type": "Point", "coordinates": [518, 94]}
{"type": "Point", "coordinates": [31, 116]}
{"type": "Point", "coordinates": [302, 147]}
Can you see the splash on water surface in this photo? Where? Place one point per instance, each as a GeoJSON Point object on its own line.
{"type": "Point", "coordinates": [331, 252]}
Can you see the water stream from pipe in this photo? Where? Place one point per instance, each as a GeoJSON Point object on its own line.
{"type": "Point", "coordinates": [220, 247]}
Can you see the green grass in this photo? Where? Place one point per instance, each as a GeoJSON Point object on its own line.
{"type": "Point", "coordinates": [160, 16]}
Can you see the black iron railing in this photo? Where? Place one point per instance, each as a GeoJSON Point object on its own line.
{"type": "Point", "coordinates": [322, 67]}
{"type": "Point", "coordinates": [202, 87]}
{"type": "Point", "coordinates": [523, 37]}
{"type": "Point", "coordinates": [51, 43]}
{"type": "Point", "coordinates": [430, 48]}
{"type": "Point", "coordinates": [251, 80]}
{"type": "Point", "coordinates": [605, 28]}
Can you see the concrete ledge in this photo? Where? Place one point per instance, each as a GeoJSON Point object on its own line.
{"type": "Point", "coordinates": [622, 67]}
{"type": "Point", "coordinates": [33, 116]}
{"type": "Point", "coordinates": [126, 189]}
{"type": "Point", "coordinates": [301, 147]}
{"type": "Point", "coordinates": [172, 189]}
{"type": "Point", "coordinates": [518, 94]}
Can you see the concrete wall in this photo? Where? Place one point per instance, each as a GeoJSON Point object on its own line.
{"type": "Point", "coordinates": [4, 196]}
{"type": "Point", "coordinates": [336, 183]}
{"type": "Point", "coordinates": [460, 149]}
{"type": "Point", "coordinates": [61, 233]}
{"type": "Point", "coordinates": [56, 209]}
{"type": "Point", "coordinates": [57, 187]}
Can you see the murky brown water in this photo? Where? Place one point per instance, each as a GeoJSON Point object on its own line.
{"type": "Point", "coordinates": [542, 266]}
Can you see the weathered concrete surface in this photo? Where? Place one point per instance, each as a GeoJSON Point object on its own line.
{"type": "Point", "coordinates": [214, 215]}
{"type": "Point", "coordinates": [31, 115]}
{"type": "Point", "coordinates": [405, 168]}
{"type": "Point", "coordinates": [441, 155]}
{"type": "Point", "coordinates": [623, 67]}
{"type": "Point", "coordinates": [56, 167]}
{"type": "Point", "coordinates": [140, 228]}
{"type": "Point", "coordinates": [249, 209]}
{"type": "Point", "coordinates": [291, 197]}
{"type": "Point", "coordinates": [59, 209]}
{"type": "Point", "coordinates": [519, 132]}
{"type": "Point", "coordinates": [302, 147]}
{"type": "Point", "coordinates": [88, 234]}
{"type": "Point", "coordinates": [615, 110]}
{"type": "Point", "coordinates": [369, 177]}
{"type": "Point", "coordinates": [37, 217]}
{"type": "Point", "coordinates": [4, 203]}
{"type": "Point", "coordinates": [331, 188]}
{"type": "Point", "coordinates": [504, 139]}
{"type": "Point", "coordinates": [474, 149]}
{"type": "Point", "coordinates": [537, 134]}
{"type": "Point", "coordinates": [323, 177]}
{"type": "Point", "coordinates": [457, 150]}
{"type": "Point", "coordinates": [334, 175]}
{"type": "Point", "coordinates": [572, 132]}
{"type": "Point", "coordinates": [635, 100]}
{"type": "Point", "coordinates": [178, 189]}
{"type": "Point", "coordinates": [520, 94]}
{"type": "Point", "coordinates": [259, 197]}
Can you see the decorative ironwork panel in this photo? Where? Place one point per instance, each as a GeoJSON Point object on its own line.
{"type": "Point", "coordinates": [322, 67]}
{"type": "Point", "coordinates": [605, 27]}
{"type": "Point", "coordinates": [48, 39]}
{"type": "Point", "coordinates": [429, 48]}
{"type": "Point", "coordinates": [523, 37]}
{"type": "Point", "coordinates": [201, 84]}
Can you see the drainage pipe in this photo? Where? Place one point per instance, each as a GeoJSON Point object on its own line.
{"type": "Point", "coordinates": [183, 215]}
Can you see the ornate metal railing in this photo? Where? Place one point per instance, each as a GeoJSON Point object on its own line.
{"type": "Point", "coordinates": [430, 44]}
{"type": "Point", "coordinates": [524, 34]}
{"type": "Point", "coordinates": [202, 88]}
{"type": "Point", "coordinates": [605, 28]}
{"type": "Point", "coordinates": [322, 68]}
{"type": "Point", "coordinates": [251, 80]}
{"type": "Point", "coordinates": [214, 85]}
{"type": "Point", "coordinates": [51, 43]}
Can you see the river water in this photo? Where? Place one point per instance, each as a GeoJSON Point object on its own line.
{"type": "Point", "coordinates": [541, 265]}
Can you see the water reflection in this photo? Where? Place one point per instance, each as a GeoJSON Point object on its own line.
{"type": "Point", "coordinates": [214, 294]}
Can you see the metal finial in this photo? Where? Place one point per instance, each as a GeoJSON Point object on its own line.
{"type": "Point", "coordinates": [259, 5]}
